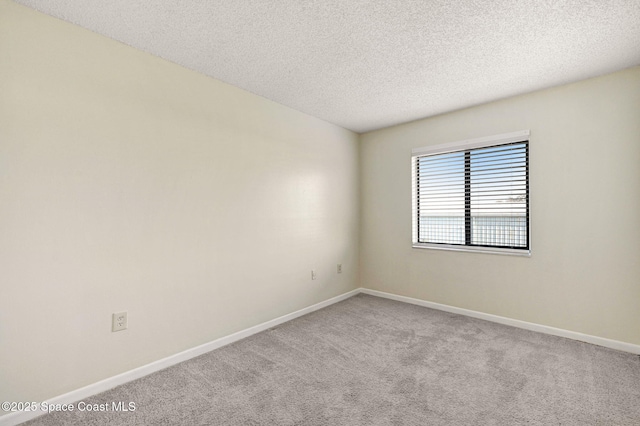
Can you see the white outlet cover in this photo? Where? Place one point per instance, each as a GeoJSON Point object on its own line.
{"type": "Point", "coordinates": [119, 321]}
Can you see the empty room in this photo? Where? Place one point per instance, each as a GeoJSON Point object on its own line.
{"type": "Point", "coordinates": [319, 213]}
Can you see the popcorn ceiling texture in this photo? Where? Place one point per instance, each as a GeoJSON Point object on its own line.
{"type": "Point", "coordinates": [366, 65]}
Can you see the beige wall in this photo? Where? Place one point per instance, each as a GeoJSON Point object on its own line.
{"type": "Point", "coordinates": [584, 272]}
{"type": "Point", "coordinates": [130, 183]}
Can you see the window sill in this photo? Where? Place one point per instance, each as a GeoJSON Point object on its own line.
{"type": "Point", "coordinates": [485, 250]}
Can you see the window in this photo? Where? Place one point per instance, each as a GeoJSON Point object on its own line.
{"type": "Point", "coordinates": [473, 195]}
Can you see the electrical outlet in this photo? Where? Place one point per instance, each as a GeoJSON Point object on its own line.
{"type": "Point", "coordinates": [313, 274]}
{"type": "Point", "coordinates": [119, 321]}
{"type": "Point", "coordinates": [339, 268]}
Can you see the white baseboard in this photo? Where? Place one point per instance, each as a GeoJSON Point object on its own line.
{"type": "Point", "coordinates": [595, 340]}
{"type": "Point", "coordinates": [104, 385]}
{"type": "Point", "coordinates": [18, 417]}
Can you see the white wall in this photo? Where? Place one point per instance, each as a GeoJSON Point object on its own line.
{"type": "Point", "coordinates": [128, 183]}
{"type": "Point", "coordinates": [584, 272]}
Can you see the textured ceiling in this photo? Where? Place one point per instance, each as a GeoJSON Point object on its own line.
{"type": "Point", "coordinates": [365, 65]}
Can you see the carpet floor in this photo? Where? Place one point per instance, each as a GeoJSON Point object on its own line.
{"type": "Point", "coordinates": [373, 361]}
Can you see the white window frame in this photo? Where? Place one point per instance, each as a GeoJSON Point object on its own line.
{"type": "Point", "coordinates": [505, 138]}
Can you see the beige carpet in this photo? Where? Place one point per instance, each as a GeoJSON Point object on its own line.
{"type": "Point", "coordinates": [372, 361]}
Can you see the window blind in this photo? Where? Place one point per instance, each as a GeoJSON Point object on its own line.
{"type": "Point", "coordinates": [473, 197]}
